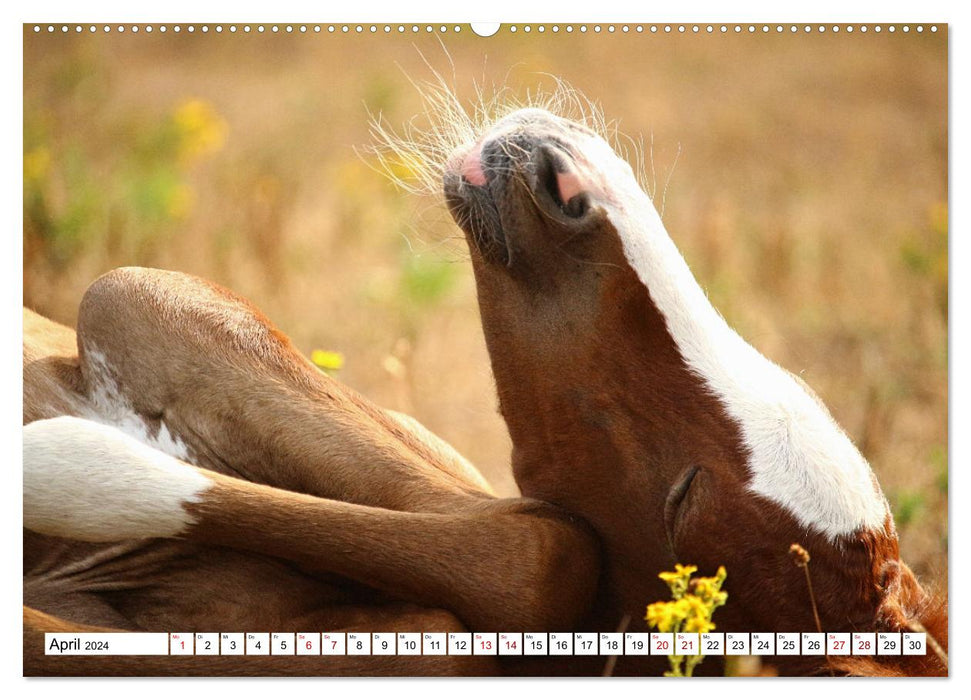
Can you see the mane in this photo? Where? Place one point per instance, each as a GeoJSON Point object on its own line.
{"type": "Point", "coordinates": [414, 156]}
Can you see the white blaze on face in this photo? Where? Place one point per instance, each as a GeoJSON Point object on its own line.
{"type": "Point", "coordinates": [91, 482]}
{"type": "Point", "coordinates": [799, 458]}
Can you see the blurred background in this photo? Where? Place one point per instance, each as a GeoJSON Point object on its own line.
{"type": "Point", "coordinates": [804, 177]}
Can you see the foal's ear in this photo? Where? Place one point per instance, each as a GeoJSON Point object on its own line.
{"type": "Point", "coordinates": [902, 596]}
{"type": "Point", "coordinates": [906, 607]}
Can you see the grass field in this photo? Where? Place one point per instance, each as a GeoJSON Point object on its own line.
{"type": "Point", "coordinates": [804, 177]}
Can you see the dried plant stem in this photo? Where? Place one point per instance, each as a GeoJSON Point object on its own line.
{"type": "Point", "coordinates": [612, 659]}
{"type": "Point", "coordinates": [916, 626]}
{"type": "Point", "coordinates": [801, 559]}
{"type": "Point", "coordinates": [812, 598]}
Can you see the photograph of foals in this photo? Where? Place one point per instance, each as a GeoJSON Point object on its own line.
{"type": "Point", "coordinates": [569, 350]}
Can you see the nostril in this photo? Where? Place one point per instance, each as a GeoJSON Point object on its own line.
{"type": "Point", "coordinates": [577, 206]}
{"type": "Point", "coordinates": [568, 184]}
{"type": "Point", "coordinates": [557, 177]}
{"type": "Point", "coordinates": [549, 178]}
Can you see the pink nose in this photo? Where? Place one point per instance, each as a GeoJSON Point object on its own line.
{"type": "Point", "coordinates": [472, 167]}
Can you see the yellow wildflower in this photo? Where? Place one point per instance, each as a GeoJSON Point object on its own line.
{"type": "Point", "coordinates": [696, 606]}
{"type": "Point", "coordinates": [677, 580]}
{"type": "Point", "coordinates": [697, 624]}
{"type": "Point", "coordinates": [36, 164]}
{"type": "Point", "coordinates": [694, 602]}
{"type": "Point", "coordinates": [201, 130]}
{"type": "Point", "coordinates": [327, 360]}
{"type": "Point", "coordinates": [707, 589]}
{"type": "Point", "coordinates": [662, 615]}
{"type": "Point", "coordinates": [682, 608]}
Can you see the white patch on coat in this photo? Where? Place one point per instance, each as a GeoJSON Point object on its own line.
{"type": "Point", "coordinates": [798, 456]}
{"type": "Point", "coordinates": [89, 481]}
{"type": "Point", "coordinates": [113, 408]}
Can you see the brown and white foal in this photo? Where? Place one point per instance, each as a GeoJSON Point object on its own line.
{"type": "Point", "coordinates": [237, 486]}
{"type": "Point", "coordinates": [632, 402]}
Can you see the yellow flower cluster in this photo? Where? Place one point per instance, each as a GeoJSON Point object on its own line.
{"type": "Point", "coordinates": [201, 130]}
{"type": "Point", "coordinates": [678, 579]}
{"type": "Point", "coordinates": [694, 600]}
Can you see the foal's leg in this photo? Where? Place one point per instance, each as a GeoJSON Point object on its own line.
{"type": "Point", "coordinates": [203, 374]}
{"type": "Point", "coordinates": [206, 375]}
{"type": "Point", "coordinates": [508, 564]}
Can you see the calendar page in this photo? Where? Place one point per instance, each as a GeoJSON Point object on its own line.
{"type": "Point", "coordinates": [516, 349]}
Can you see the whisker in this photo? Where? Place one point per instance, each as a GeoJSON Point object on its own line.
{"type": "Point", "coordinates": [653, 171]}
{"type": "Point", "coordinates": [415, 154]}
{"type": "Point", "coordinates": [664, 195]}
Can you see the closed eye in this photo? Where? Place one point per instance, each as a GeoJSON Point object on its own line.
{"type": "Point", "coordinates": [672, 504]}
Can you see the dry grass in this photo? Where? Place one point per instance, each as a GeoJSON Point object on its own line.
{"type": "Point", "coordinates": [809, 198]}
